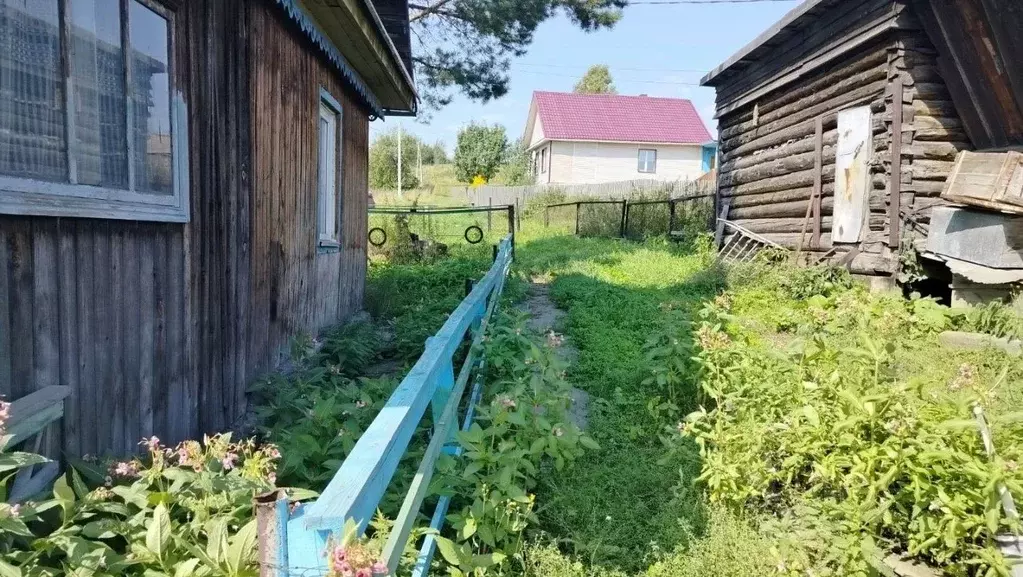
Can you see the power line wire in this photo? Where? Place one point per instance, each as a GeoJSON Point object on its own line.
{"type": "Point", "coordinates": [612, 67]}
{"type": "Point", "coordinates": [623, 80]}
{"type": "Point", "coordinates": [677, 2]}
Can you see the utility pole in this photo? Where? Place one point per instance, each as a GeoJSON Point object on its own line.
{"type": "Point", "coordinates": [399, 160]}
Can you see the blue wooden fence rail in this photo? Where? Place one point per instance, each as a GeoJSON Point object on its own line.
{"type": "Point", "coordinates": [294, 544]}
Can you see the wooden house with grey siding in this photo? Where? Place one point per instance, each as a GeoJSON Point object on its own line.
{"type": "Point", "coordinates": [839, 125]}
{"type": "Point", "coordinates": [183, 187]}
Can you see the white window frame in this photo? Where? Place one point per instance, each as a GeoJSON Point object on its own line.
{"type": "Point", "coordinates": [328, 182]}
{"type": "Point", "coordinates": [26, 196]}
{"type": "Point", "coordinates": [640, 165]}
{"type": "Point", "coordinates": [543, 160]}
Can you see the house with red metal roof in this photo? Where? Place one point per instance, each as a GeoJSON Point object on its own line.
{"type": "Point", "coordinates": [593, 138]}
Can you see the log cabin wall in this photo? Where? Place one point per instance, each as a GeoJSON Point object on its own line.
{"type": "Point", "coordinates": [158, 328]}
{"type": "Point", "coordinates": [853, 53]}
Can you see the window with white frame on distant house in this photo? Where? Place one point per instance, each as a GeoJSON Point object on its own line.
{"type": "Point", "coordinates": [543, 160]}
{"type": "Point", "coordinates": [647, 160]}
{"type": "Point", "coordinates": [89, 121]}
{"type": "Point", "coordinates": [329, 154]}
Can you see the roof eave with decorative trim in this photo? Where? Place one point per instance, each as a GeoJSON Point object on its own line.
{"type": "Point", "coordinates": [350, 75]}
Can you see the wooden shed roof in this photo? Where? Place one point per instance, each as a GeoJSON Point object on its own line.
{"type": "Point", "coordinates": [980, 59]}
{"type": "Point", "coordinates": [980, 56]}
{"type": "Point", "coordinates": [782, 30]}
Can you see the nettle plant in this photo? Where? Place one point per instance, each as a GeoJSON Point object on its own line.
{"type": "Point", "coordinates": [522, 430]}
{"type": "Point", "coordinates": [847, 460]}
{"type": "Point", "coordinates": [184, 510]}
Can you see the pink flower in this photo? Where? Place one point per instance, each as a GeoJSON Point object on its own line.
{"type": "Point", "coordinates": [364, 572]}
{"type": "Point", "coordinates": [340, 555]}
{"type": "Point", "coordinates": [275, 453]}
{"type": "Point", "coordinates": [152, 443]}
{"type": "Point", "coordinates": [183, 456]}
{"type": "Point", "coordinates": [228, 461]}
{"type": "Point", "coordinates": [272, 477]}
{"type": "Point", "coordinates": [126, 469]}
{"type": "Point", "coordinates": [379, 568]}
{"type": "Point", "coordinates": [345, 569]}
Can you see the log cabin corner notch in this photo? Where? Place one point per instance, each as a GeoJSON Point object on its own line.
{"type": "Point", "coordinates": [936, 77]}
{"type": "Point", "coordinates": [157, 313]}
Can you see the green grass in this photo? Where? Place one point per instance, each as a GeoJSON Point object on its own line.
{"type": "Point", "coordinates": [619, 506]}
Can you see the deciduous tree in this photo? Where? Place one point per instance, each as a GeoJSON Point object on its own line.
{"type": "Point", "coordinates": [597, 80]}
{"type": "Point", "coordinates": [383, 161]}
{"type": "Point", "coordinates": [479, 151]}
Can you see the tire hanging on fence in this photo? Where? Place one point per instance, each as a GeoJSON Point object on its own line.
{"type": "Point", "coordinates": [477, 234]}
{"type": "Point", "coordinates": [380, 240]}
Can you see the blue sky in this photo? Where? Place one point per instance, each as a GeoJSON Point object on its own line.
{"type": "Point", "coordinates": [659, 50]}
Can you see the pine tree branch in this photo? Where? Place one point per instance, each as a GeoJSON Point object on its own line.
{"type": "Point", "coordinates": [426, 10]}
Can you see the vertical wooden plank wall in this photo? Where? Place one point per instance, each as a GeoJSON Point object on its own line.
{"type": "Point", "coordinates": [297, 287]}
{"type": "Point", "coordinates": [160, 328]}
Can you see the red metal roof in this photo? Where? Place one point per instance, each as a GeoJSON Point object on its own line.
{"type": "Point", "coordinates": [610, 117]}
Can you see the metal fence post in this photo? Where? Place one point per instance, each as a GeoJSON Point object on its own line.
{"type": "Point", "coordinates": [578, 207]}
{"type": "Point", "coordinates": [490, 204]}
{"type": "Point", "coordinates": [671, 216]}
{"type": "Point", "coordinates": [625, 212]}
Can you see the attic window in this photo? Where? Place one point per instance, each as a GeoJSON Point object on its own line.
{"type": "Point", "coordinates": [88, 122]}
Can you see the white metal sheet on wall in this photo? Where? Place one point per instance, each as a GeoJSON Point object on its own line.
{"type": "Point", "coordinates": [852, 175]}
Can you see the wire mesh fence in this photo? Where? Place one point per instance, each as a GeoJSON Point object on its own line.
{"type": "Point", "coordinates": [414, 233]}
{"type": "Point", "coordinates": [679, 218]}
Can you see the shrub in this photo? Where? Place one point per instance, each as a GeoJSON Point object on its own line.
{"type": "Point", "coordinates": [523, 425]}
{"type": "Point", "coordinates": [731, 547]}
{"type": "Point", "coordinates": [850, 460]}
{"type": "Point", "coordinates": [185, 510]}
{"type": "Point", "coordinates": [994, 318]}
{"type": "Point", "coordinates": [804, 282]}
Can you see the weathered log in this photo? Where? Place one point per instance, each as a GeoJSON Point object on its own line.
{"type": "Point", "coordinates": [780, 196]}
{"type": "Point", "coordinates": [939, 150]}
{"type": "Point", "coordinates": [931, 169]}
{"type": "Point", "coordinates": [774, 225]}
{"type": "Point", "coordinates": [803, 111]}
{"type": "Point", "coordinates": [880, 204]}
{"type": "Point", "coordinates": [827, 98]}
{"type": "Point", "coordinates": [931, 128]}
{"type": "Point", "coordinates": [926, 187]}
{"type": "Point", "coordinates": [935, 108]}
{"type": "Point", "coordinates": [782, 151]}
{"type": "Point", "coordinates": [857, 66]}
{"type": "Point", "coordinates": [927, 91]}
{"type": "Point", "coordinates": [791, 240]}
{"type": "Point", "coordinates": [782, 209]}
{"type": "Point", "coordinates": [924, 75]}
{"type": "Point", "coordinates": [872, 264]}
{"type": "Point", "coordinates": [793, 180]}
{"type": "Point", "coordinates": [781, 167]}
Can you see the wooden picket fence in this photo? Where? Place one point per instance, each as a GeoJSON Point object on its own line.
{"type": "Point", "coordinates": [293, 537]}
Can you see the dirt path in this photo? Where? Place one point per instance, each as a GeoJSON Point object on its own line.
{"type": "Point", "coordinates": [545, 318]}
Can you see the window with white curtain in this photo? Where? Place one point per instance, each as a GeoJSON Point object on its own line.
{"type": "Point", "coordinates": [89, 124]}
{"type": "Point", "coordinates": [329, 155]}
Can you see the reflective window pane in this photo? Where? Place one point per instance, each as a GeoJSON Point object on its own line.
{"type": "Point", "coordinates": [150, 91]}
{"type": "Point", "coordinates": [97, 76]}
{"type": "Point", "coordinates": [32, 135]}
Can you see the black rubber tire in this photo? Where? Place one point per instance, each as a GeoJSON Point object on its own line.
{"type": "Point", "coordinates": [478, 230]}
{"type": "Point", "coordinates": [382, 241]}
